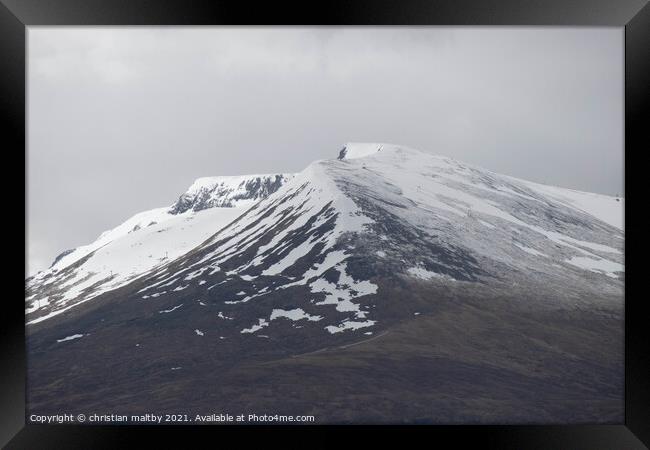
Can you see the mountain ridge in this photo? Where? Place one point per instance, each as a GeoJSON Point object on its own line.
{"type": "Point", "coordinates": [224, 197]}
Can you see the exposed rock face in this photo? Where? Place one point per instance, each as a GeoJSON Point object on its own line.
{"type": "Point", "coordinates": [61, 255]}
{"type": "Point", "coordinates": [228, 192]}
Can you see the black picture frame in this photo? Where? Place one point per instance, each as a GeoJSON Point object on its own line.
{"type": "Point", "coordinates": [634, 15]}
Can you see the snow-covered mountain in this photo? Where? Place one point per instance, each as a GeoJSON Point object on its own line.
{"type": "Point", "coordinates": [144, 241]}
{"type": "Point", "coordinates": [335, 232]}
{"type": "Point", "coordinates": [383, 252]}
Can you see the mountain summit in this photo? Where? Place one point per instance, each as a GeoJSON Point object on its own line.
{"type": "Point", "coordinates": [228, 192]}
{"type": "Point", "coordinates": [353, 150]}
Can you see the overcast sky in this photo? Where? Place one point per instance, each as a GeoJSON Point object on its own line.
{"type": "Point", "coordinates": [122, 120]}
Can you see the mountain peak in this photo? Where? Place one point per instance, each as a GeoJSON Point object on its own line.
{"type": "Point", "coordinates": [353, 150]}
{"type": "Point", "coordinates": [357, 150]}
{"type": "Point", "coordinates": [228, 191]}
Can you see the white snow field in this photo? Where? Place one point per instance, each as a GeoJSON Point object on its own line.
{"type": "Point", "coordinates": [609, 209]}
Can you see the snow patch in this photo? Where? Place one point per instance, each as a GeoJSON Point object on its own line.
{"type": "Point", "coordinates": [607, 267]}
{"type": "Point", "coordinates": [69, 338]}
{"type": "Point", "coordinates": [423, 274]}
{"type": "Point", "coordinates": [261, 324]}
{"type": "Point", "coordinates": [164, 311]}
{"type": "Point", "coordinates": [293, 314]}
{"type": "Point", "coordinates": [349, 325]}
{"type": "Point", "coordinates": [344, 291]}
